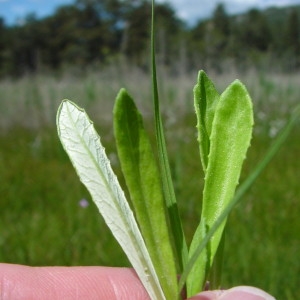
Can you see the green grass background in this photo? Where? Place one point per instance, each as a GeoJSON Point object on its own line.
{"type": "Point", "coordinates": [42, 223]}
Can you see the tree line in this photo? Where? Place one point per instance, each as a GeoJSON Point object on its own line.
{"type": "Point", "coordinates": [101, 31]}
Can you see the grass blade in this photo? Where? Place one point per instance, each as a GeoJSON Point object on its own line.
{"type": "Point", "coordinates": [82, 143]}
{"type": "Point", "coordinates": [181, 250]}
{"type": "Point", "coordinates": [143, 181]}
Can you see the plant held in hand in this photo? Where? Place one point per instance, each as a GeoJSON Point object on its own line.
{"type": "Point", "coordinates": [154, 242]}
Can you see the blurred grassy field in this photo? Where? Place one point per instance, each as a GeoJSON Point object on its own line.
{"type": "Point", "coordinates": [43, 222]}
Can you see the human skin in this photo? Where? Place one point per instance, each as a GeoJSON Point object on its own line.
{"type": "Point", "coordinates": [18, 282]}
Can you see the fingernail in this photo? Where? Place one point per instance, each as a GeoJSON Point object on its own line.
{"type": "Point", "coordinates": [245, 293]}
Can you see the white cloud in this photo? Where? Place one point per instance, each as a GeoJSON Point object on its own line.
{"type": "Point", "coordinates": [193, 10]}
{"type": "Point", "coordinates": [18, 9]}
{"type": "Point", "coordinates": [190, 10]}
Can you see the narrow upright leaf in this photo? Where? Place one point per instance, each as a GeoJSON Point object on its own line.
{"type": "Point", "coordinates": [181, 250]}
{"type": "Point", "coordinates": [206, 99]}
{"type": "Point", "coordinates": [82, 143]}
{"type": "Point", "coordinates": [143, 181]}
{"type": "Point", "coordinates": [229, 140]}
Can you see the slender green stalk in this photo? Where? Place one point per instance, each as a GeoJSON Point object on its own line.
{"type": "Point", "coordinates": [167, 183]}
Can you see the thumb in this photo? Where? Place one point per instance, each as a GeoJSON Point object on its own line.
{"type": "Point", "coordinates": [236, 293]}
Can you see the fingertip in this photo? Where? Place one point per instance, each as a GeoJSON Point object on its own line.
{"type": "Point", "coordinates": [246, 293]}
{"type": "Point", "coordinates": [207, 295]}
{"type": "Point", "coordinates": [236, 293]}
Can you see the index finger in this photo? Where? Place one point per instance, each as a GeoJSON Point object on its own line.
{"type": "Point", "coordinates": [19, 282]}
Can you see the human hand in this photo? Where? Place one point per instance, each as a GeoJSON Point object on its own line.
{"type": "Point", "coordinates": [19, 282]}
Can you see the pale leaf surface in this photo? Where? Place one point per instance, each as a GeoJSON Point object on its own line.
{"type": "Point", "coordinates": [82, 143]}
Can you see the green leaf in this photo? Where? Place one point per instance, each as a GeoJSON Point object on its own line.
{"type": "Point", "coordinates": [143, 181]}
{"type": "Point", "coordinates": [242, 189]}
{"type": "Point", "coordinates": [229, 140]}
{"type": "Point", "coordinates": [82, 143]}
{"type": "Point", "coordinates": [206, 99]}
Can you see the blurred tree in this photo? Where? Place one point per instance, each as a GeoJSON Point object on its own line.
{"type": "Point", "coordinates": [3, 43]}
{"type": "Point", "coordinates": [170, 35]}
{"type": "Point", "coordinates": [136, 42]}
{"type": "Point", "coordinates": [76, 35]}
{"type": "Point", "coordinates": [220, 33]}
{"type": "Point", "coordinates": [197, 45]}
{"type": "Point", "coordinates": [251, 40]}
{"type": "Point", "coordinates": [57, 34]}
{"type": "Point", "coordinates": [95, 35]}
{"type": "Point", "coordinates": [292, 32]}
{"type": "Point", "coordinates": [216, 38]}
{"type": "Point", "coordinates": [291, 41]}
{"type": "Point", "coordinates": [221, 20]}
{"type": "Point", "coordinates": [136, 32]}
{"type": "Point", "coordinates": [23, 46]}
{"type": "Point", "coordinates": [254, 31]}
{"type": "Point", "coordinates": [100, 30]}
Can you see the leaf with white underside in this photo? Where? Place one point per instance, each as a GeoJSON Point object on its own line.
{"type": "Point", "coordinates": [82, 143]}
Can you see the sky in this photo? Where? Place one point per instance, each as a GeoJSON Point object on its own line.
{"type": "Point", "coordinates": [188, 10]}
